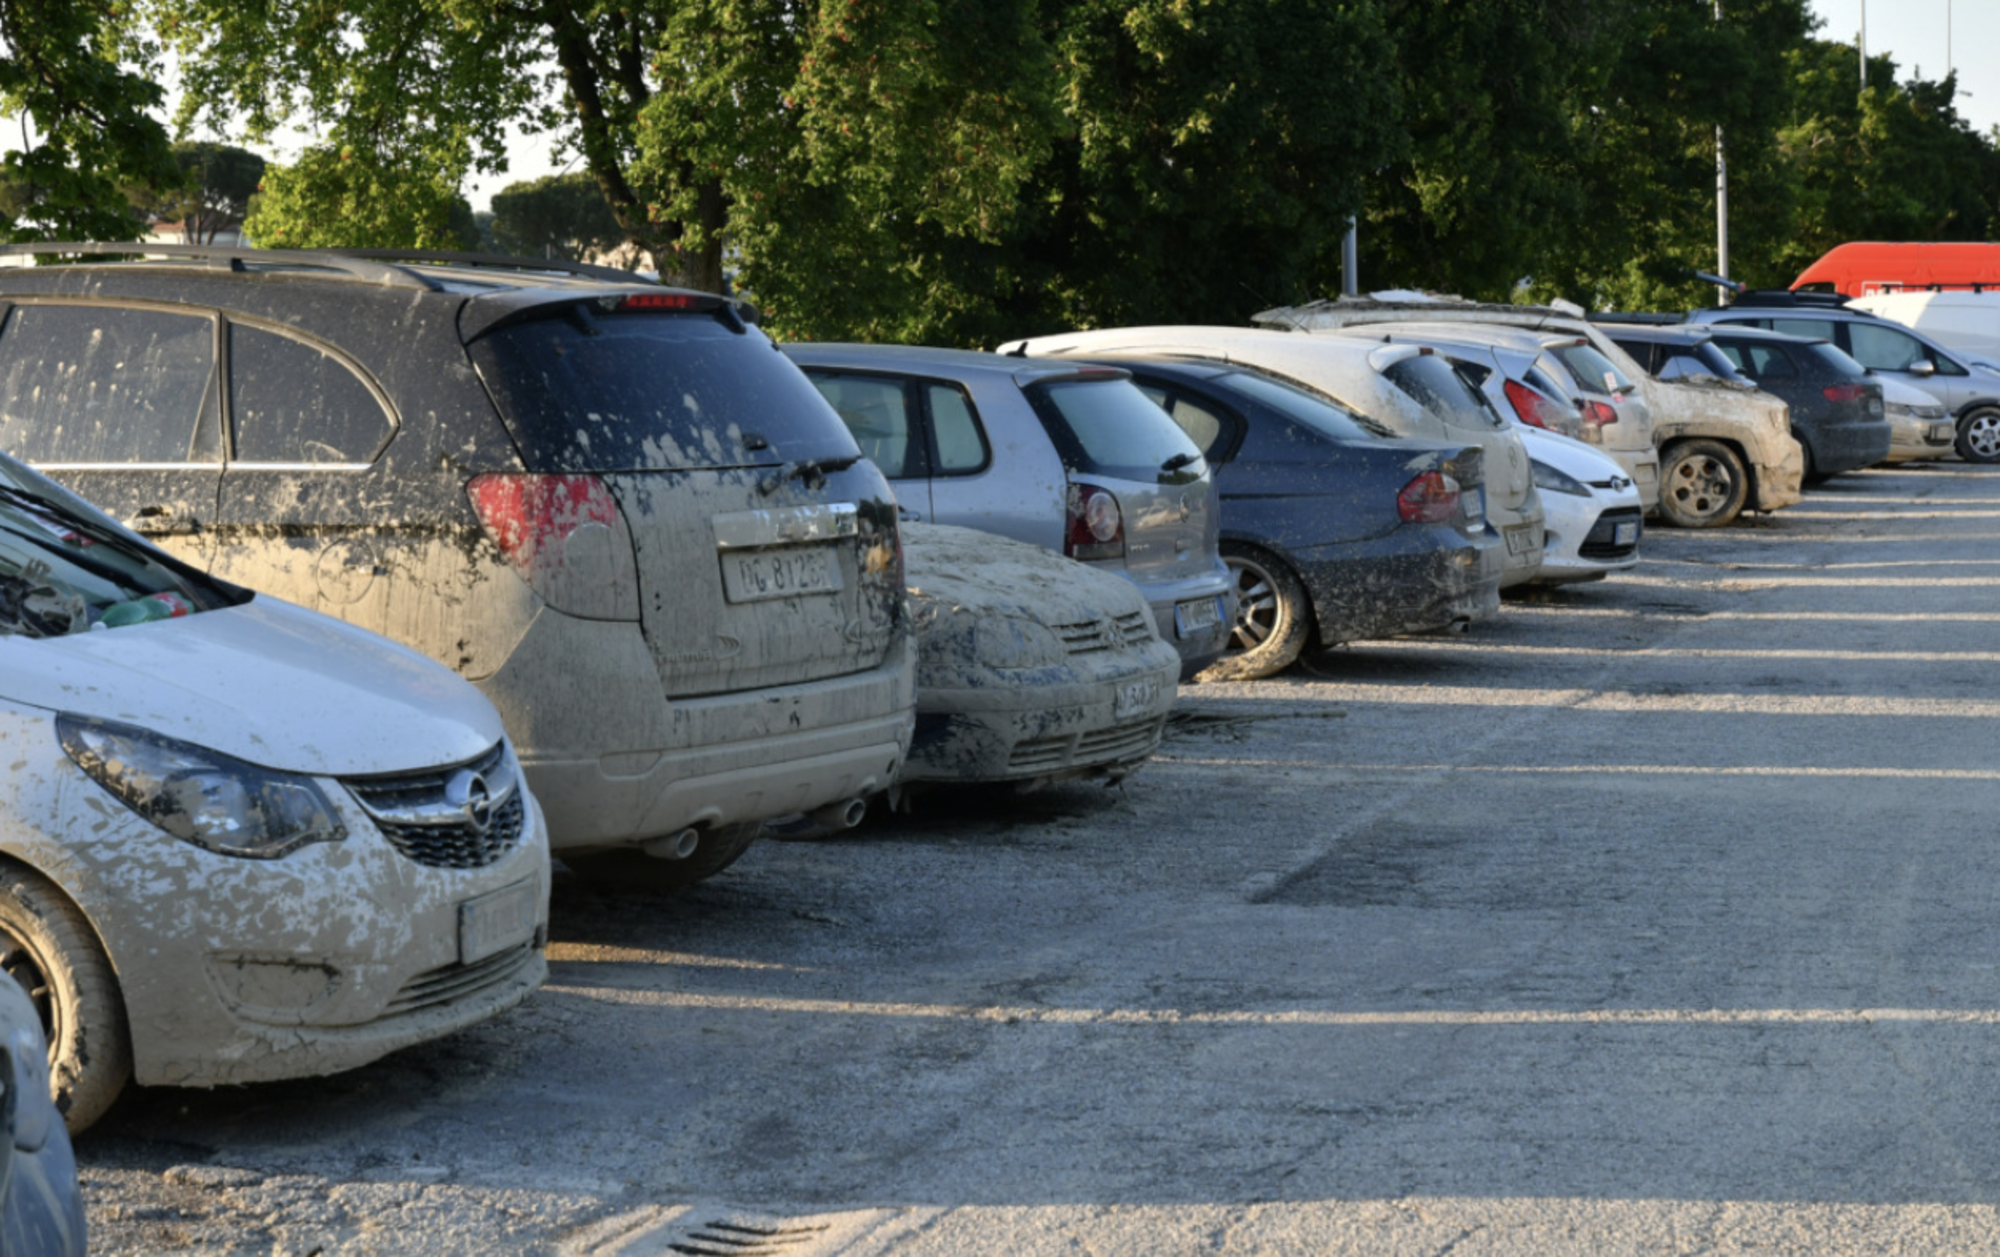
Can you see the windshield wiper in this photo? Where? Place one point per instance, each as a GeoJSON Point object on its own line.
{"type": "Point", "coordinates": [812, 471]}
{"type": "Point", "coordinates": [1179, 461]}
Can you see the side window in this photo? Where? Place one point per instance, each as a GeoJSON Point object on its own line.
{"type": "Point", "coordinates": [1886, 349]}
{"type": "Point", "coordinates": [291, 403]}
{"type": "Point", "coordinates": [961, 444]}
{"type": "Point", "coordinates": [1819, 329]}
{"type": "Point", "coordinates": [100, 385]}
{"type": "Point", "coordinates": [876, 410]}
{"type": "Point", "coordinates": [1680, 365]}
{"type": "Point", "coordinates": [1731, 352]}
{"type": "Point", "coordinates": [1768, 362]}
{"type": "Point", "coordinates": [1203, 426]}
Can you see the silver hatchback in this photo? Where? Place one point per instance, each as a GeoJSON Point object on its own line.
{"type": "Point", "coordinates": [1073, 459]}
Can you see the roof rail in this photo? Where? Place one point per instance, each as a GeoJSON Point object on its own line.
{"type": "Point", "coordinates": [1625, 316]}
{"type": "Point", "coordinates": [1775, 297]}
{"type": "Point", "coordinates": [228, 257]}
{"type": "Point", "coordinates": [496, 261]}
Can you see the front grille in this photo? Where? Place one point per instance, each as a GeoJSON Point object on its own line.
{"type": "Point", "coordinates": [1105, 746]}
{"type": "Point", "coordinates": [1129, 629]}
{"type": "Point", "coordinates": [1599, 544]}
{"type": "Point", "coordinates": [453, 982]}
{"type": "Point", "coordinates": [414, 813]}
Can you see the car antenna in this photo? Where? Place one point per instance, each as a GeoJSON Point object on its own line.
{"type": "Point", "coordinates": [1297, 324]}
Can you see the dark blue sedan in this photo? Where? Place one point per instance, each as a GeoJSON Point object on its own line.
{"type": "Point", "coordinates": [1335, 529]}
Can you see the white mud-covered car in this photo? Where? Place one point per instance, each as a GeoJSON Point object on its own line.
{"type": "Point", "coordinates": [239, 841]}
{"type": "Point", "coordinates": [1031, 668]}
{"type": "Point", "coordinates": [1594, 513]}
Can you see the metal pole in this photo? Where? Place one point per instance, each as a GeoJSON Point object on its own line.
{"type": "Point", "coordinates": [1350, 261]}
{"type": "Point", "coordinates": [1721, 200]}
{"type": "Point", "coordinates": [1861, 42]}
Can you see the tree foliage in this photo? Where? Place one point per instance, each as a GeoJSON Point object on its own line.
{"type": "Point", "coordinates": [343, 198]}
{"type": "Point", "coordinates": [212, 194]}
{"type": "Point", "coordinates": [560, 216]}
{"type": "Point", "coordinates": [86, 134]}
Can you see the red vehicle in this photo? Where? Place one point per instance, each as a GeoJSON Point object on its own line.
{"type": "Point", "coordinates": [1864, 268]}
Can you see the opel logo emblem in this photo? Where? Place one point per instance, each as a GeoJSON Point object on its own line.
{"type": "Point", "coordinates": [467, 792]}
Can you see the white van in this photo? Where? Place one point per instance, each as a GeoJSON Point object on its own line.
{"type": "Point", "coordinates": [1966, 321]}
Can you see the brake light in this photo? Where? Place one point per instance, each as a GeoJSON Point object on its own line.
{"type": "Point", "coordinates": [1431, 498]}
{"type": "Point", "coordinates": [661, 301]}
{"type": "Point", "coordinates": [1096, 527]}
{"type": "Point", "coordinates": [1532, 407]}
{"type": "Point", "coordinates": [565, 536]}
{"type": "Point", "coordinates": [1599, 414]}
{"type": "Point", "coordinates": [1845, 392]}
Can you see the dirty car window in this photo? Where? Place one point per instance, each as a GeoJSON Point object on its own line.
{"type": "Point", "coordinates": [1439, 389]}
{"type": "Point", "coordinates": [96, 385]}
{"type": "Point", "coordinates": [1110, 428]}
{"type": "Point", "coordinates": [291, 403]}
{"type": "Point", "coordinates": [653, 392]}
{"type": "Point", "coordinates": [1305, 409]}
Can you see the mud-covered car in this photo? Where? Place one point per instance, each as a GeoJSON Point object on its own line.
{"type": "Point", "coordinates": [1336, 528]}
{"type": "Point", "coordinates": [614, 507]}
{"type": "Point", "coordinates": [1075, 461]}
{"type": "Point", "coordinates": [41, 1210]}
{"type": "Point", "coordinates": [239, 841]}
{"type": "Point", "coordinates": [1595, 516]}
{"type": "Point", "coordinates": [1031, 668]}
{"type": "Point", "coordinates": [1722, 451]}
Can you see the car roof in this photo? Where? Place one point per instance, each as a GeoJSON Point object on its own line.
{"type": "Point", "coordinates": [1513, 336]}
{"type": "Point", "coordinates": [958, 363]}
{"type": "Point", "coordinates": [1684, 335]}
{"type": "Point", "coordinates": [1737, 332]}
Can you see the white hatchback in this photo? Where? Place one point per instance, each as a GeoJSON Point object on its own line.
{"type": "Point", "coordinates": [239, 840]}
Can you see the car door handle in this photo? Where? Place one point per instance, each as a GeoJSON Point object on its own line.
{"type": "Point", "coordinates": [908, 516]}
{"type": "Point", "coordinates": [163, 521]}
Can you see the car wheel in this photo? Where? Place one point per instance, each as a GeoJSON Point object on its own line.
{"type": "Point", "coordinates": [1811, 474]}
{"type": "Point", "coordinates": [48, 947]}
{"type": "Point", "coordinates": [1273, 618]}
{"type": "Point", "coordinates": [1702, 485]}
{"type": "Point", "coordinates": [716, 850]}
{"type": "Point", "coordinates": [1979, 435]}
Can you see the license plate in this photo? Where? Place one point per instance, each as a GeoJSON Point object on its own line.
{"type": "Point", "coordinates": [1473, 501]}
{"type": "Point", "coordinates": [1625, 534]}
{"type": "Point", "coordinates": [494, 922]}
{"type": "Point", "coordinates": [1194, 617]}
{"type": "Point", "coordinates": [1942, 433]}
{"type": "Point", "coordinates": [1135, 698]}
{"type": "Point", "coordinates": [755, 575]}
{"type": "Point", "coordinates": [1520, 539]}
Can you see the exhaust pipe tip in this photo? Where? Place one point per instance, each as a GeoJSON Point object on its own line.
{"type": "Point", "coordinates": [845, 814]}
{"type": "Point", "coordinates": [673, 846]}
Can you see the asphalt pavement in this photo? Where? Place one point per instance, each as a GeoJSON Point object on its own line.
{"type": "Point", "coordinates": [1657, 916]}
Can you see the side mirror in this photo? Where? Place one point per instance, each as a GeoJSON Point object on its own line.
{"type": "Point", "coordinates": [1923, 367]}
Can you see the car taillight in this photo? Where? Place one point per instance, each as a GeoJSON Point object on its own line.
{"type": "Point", "coordinates": [1599, 414]}
{"type": "Point", "coordinates": [1096, 527]}
{"type": "Point", "coordinates": [1431, 498]}
{"type": "Point", "coordinates": [1845, 392]}
{"type": "Point", "coordinates": [566, 537]}
{"type": "Point", "coordinates": [1532, 407]}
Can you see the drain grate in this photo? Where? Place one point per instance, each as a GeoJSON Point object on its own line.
{"type": "Point", "coordinates": [728, 1239]}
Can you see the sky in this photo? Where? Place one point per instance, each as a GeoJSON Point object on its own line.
{"type": "Point", "coordinates": [1913, 32]}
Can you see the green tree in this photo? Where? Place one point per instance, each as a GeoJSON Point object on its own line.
{"type": "Point", "coordinates": [344, 198]}
{"type": "Point", "coordinates": [560, 216]}
{"type": "Point", "coordinates": [86, 134]}
{"type": "Point", "coordinates": [213, 193]}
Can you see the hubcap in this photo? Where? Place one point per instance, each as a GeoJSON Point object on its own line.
{"type": "Point", "coordinates": [1701, 485]}
{"type": "Point", "coordinates": [1983, 435]}
{"type": "Point", "coordinates": [1259, 613]}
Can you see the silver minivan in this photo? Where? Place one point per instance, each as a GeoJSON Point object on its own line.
{"type": "Point", "coordinates": [1073, 459]}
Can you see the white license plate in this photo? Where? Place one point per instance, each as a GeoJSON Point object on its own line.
{"type": "Point", "coordinates": [1194, 617]}
{"type": "Point", "coordinates": [1520, 539]}
{"type": "Point", "coordinates": [787, 572]}
{"type": "Point", "coordinates": [1135, 698]}
{"type": "Point", "coordinates": [494, 922]}
{"type": "Point", "coordinates": [1625, 534]}
{"type": "Point", "coordinates": [1942, 433]}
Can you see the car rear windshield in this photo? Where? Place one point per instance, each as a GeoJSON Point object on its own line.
{"type": "Point", "coordinates": [1591, 369]}
{"type": "Point", "coordinates": [652, 391]}
{"type": "Point", "coordinates": [1308, 410]}
{"type": "Point", "coordinates": [1109, 428]}
{"type": "Point", "coordinates": [65, 569]}
{"type": "Point", "coordinates": [1430, 379]}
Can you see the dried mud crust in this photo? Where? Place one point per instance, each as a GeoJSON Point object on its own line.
{"type": "Point", "coordinates": [49, 947]}
{"type": "Point", "coordinates": [1703, 484]}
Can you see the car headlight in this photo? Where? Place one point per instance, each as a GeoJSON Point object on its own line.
{"type": "Point", "coordinates": [201, 796]}
{"type": "Point", "coordinates": [1552, 480]}
{"type": "Point", "coordinates": [1015, 643]}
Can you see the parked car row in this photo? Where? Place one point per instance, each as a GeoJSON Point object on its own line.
{"type": "Point", "coordinates": [650, 583]}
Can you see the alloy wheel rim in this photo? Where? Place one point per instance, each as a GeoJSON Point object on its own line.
{"type": "Point", "coordinates": [1259, 614]}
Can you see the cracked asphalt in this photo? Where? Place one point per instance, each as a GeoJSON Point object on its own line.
{"type": "Point", "coordinates": [1657, 916]}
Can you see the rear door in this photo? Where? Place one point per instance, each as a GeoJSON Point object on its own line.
{"type": "Point", "coordinates": [119, 404]}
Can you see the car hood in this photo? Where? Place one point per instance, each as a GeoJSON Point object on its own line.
{"type": "Point", "coordinates": [267, 682]}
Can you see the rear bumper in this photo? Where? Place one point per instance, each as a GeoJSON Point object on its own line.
{"type": "Point", "coordinates": [1199, 647]}
{"type": "Point", "coordinates": [1410, 582]}
{"type": "Point", "coordinates": [1913, 438]}
{"type": "Point", "coordinates": [1089, 717]}
{"type": "Point", "coordinates": [1838, 447]}
{"type": "Point", "coordinates": [733, 758]}
{"type": "Point", "coordinates": [1522, 535]}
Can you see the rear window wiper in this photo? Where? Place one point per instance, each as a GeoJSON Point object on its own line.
{"type": "Point", "coordinates": [813, 471]}
{"type": "Point", "coordinates": [1179, 461]}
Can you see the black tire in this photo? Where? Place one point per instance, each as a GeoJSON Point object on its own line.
{"type": "Point", "coordinates": [1273, 618]}
{"type": "Point", "coordinates": [1979, 435]}
{"type": "Point", "coordinates": [49, 947]}
{"type": "Point", "coordinates": [1702, 484]}
{"type": "Point", "coordinates": [1812, 474]}
{"type": "Point", "coordinates": [631, 867]}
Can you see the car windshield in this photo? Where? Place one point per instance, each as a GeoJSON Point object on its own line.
{"type": "Point", "coordinates": [1590, 368]}
{"type": "Point", "coordinates": [64, 569]}
{"type": "Point", "coordinates": [653, 391]}
{"type": "Point", "coordinates": [1308, 410]}
{"type": "Point", "coordinates": [1109, 428]}
{"type": "Point", "coordinates": [1441, 390]}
